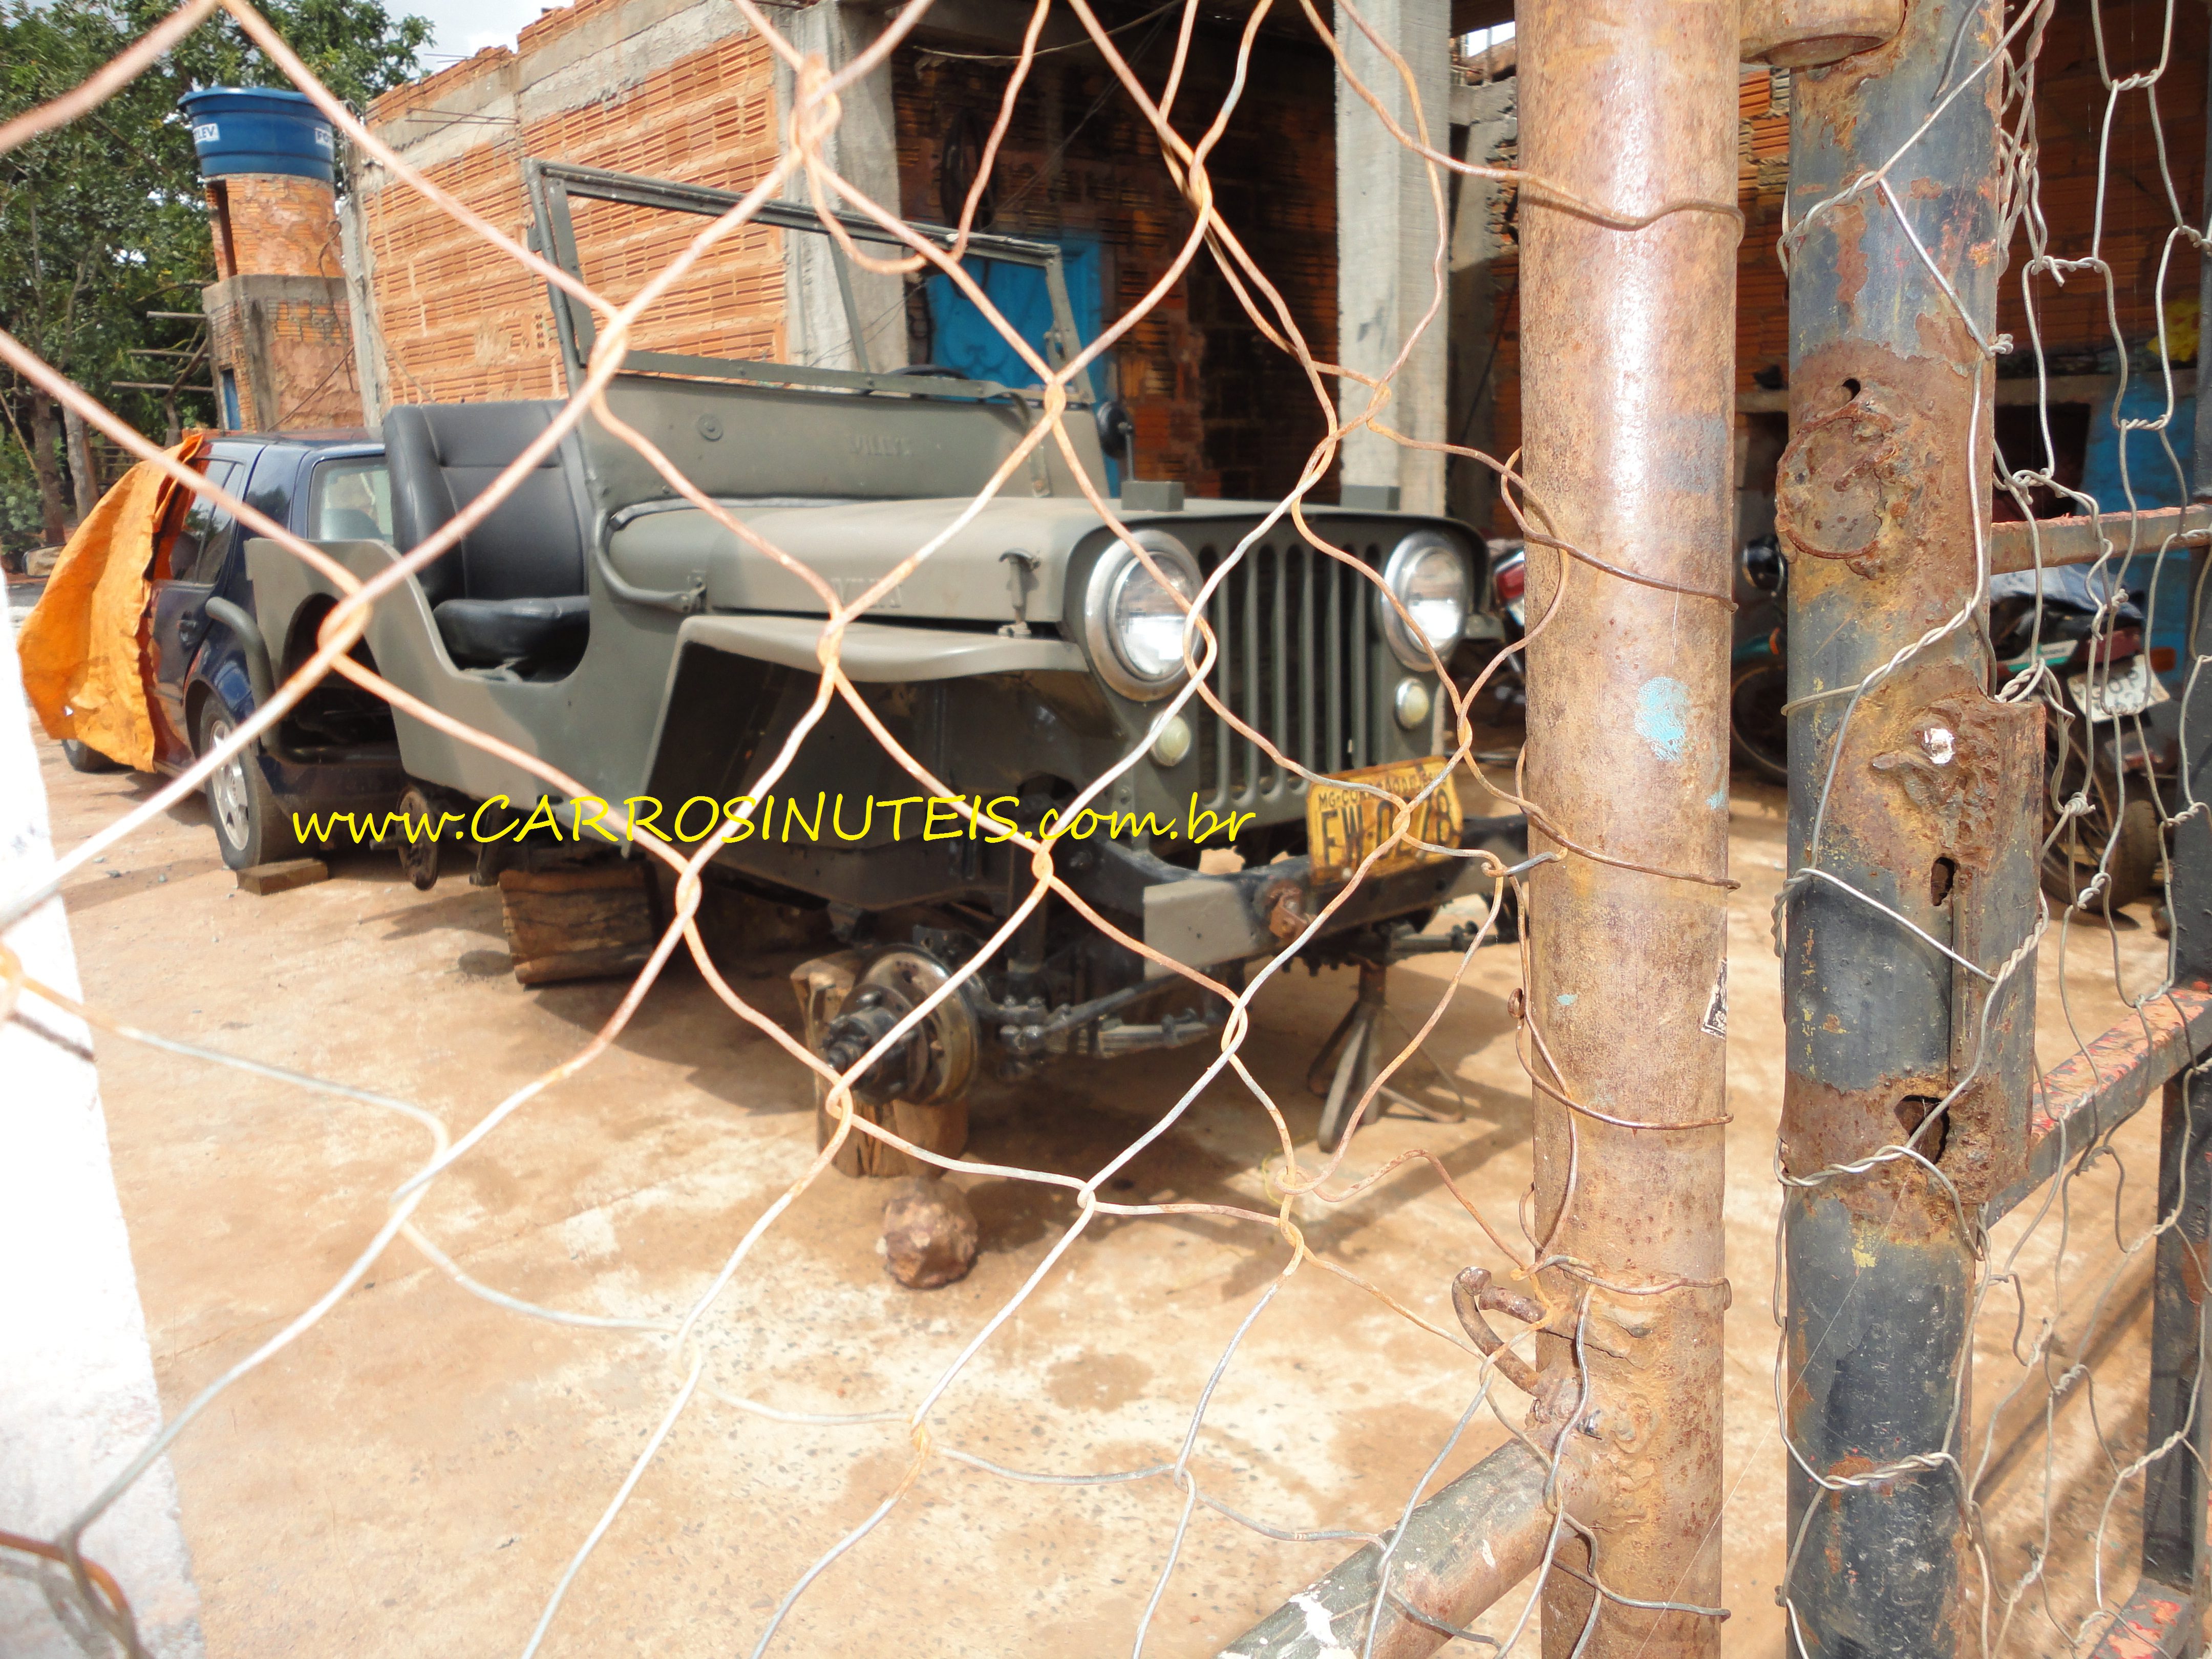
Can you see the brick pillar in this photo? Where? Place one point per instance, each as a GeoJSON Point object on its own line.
{"type": "Point", "coordinates": [277, 318]}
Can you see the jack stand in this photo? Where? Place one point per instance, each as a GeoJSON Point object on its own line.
{"type": "Point", "coordinates": [1350, 1059]}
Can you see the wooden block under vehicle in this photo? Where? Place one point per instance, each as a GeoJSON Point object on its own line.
{"type": "Point", "coordinates": [283, 876]}
{"type": "Point", "coordinates": [577, 924]}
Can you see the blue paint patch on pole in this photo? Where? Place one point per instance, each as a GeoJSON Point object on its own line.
{"type": "Point", "coordinates": [1662, 717]}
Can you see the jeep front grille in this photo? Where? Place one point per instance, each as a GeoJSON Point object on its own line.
{"type": "Point", "coordinates": [1297, 644]}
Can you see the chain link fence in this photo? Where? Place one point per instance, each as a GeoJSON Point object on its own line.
{"type": "Point", "coordinates": [1981, 783]}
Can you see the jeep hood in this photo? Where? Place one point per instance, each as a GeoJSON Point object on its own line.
{"type": "Point", "coordinates": [852, 544]}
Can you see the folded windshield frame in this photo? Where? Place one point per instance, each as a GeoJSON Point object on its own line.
{"type": "Point", "coordinates": [551, 185]}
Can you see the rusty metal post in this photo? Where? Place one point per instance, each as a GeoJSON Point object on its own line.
{"type": "Point", "coordinates": [1930, 807]}
{"type": "Point", "coordinates": [1628, 356]}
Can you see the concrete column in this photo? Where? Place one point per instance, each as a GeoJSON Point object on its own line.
{"type": "Point", "coordinates": [76, 1379]}
{"type": "Point", "coordinates": [359, 260]}
{"type": "Point", "coordinates": [1386, 246]}
{"type": "Point", "coordinates": [864, 151]}
{"type": "Point", "coordinates": [1488, 117]}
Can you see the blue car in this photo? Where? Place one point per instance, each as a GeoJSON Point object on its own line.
{"type": "Point", "coordinates": [208, 667]}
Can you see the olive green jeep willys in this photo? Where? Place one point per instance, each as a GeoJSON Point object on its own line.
{"type": "Point", "coordinates": [600, 621]}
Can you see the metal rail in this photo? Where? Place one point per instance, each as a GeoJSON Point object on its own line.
{"type": "Point", "coordinates": [1457, 1554]}
{"type": "Point", "coordinates": [2176, 1548]}
{"type": "Point", "coordinates": [2154, 1624]}
{"type": "Point", "coordinates": [2020, 546]}
{"type": "Point", "coordinates": [2091, 1093]}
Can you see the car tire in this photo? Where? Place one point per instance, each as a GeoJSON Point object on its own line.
{"type": "Point", "coordinates": [418, 859]}
{"type": "Point", "coordinates": [2069, 865]}
{"type": "Point", "coordinates": [1758, 731]}
{"type": "Point", "coordinates": [250, 825]}
{"type": "Point", "coordinates": [82, 758]}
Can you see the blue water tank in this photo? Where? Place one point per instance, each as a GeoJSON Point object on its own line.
{"type": "Point", "coordinates": [258, 129]}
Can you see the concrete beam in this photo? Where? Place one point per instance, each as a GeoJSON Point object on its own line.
{"type": "Point", "coordinates": [995, 26]}
{"type": "Point", "coordinates": [1468, 15]}
{"type": "Point", "coordinates": [1387, 234]}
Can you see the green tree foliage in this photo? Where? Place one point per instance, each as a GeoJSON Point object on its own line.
{"type": "Point", "coordinates": [104, 220]}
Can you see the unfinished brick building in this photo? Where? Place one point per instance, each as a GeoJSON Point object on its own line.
{"type": "Point", "coordinates": [2082, 356]}
{"type": "Point", "coordinates": [680, 89]}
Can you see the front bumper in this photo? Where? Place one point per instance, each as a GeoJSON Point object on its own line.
{"type": "Point", "coordinates": [1204, 920]}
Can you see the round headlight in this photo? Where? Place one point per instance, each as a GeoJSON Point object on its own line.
{"type": "Point", "coordinates": [1430, 577]}
{"type": "Point", "coordinates": [1133, 622]}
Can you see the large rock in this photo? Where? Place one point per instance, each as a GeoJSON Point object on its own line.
{"type": "Point", "coordinates": [929, 1232]}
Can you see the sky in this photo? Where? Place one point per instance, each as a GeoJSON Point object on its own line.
{"type": "Point", "coordinates": [466, 26]}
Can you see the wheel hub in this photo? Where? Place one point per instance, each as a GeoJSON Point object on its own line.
{"type": "Point", "coordinates": [933, 1062]}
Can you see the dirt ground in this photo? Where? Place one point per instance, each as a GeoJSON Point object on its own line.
{"type": "Point", "coordinates": [413, 1475]}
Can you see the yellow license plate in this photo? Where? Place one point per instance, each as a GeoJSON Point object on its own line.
{"type": "Point", "coordinates": [1344, 825]}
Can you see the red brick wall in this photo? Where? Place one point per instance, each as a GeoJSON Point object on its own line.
{"type": "Point", "coordinates": [1216, 407]}
{"type": "Point", "coordinates": [462, 322]}
{"type": "Point", "coordinates": [307, 345]}
{"type": "Point", "coordinates": [2138, 218]}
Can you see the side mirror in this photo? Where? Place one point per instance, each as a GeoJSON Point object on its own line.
{"type": "Point", "coordinates": [1117, 433]}
{"type": "Point", "coordinates": [1762, 566]}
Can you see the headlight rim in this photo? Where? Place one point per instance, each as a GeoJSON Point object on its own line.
{"type": "Point", "coordinates": [1410, 650]}
{"type": "Point", "coordinates": [1110, 574]}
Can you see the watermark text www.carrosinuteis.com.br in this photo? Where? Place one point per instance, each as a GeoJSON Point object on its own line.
{"type": "Point", "coordinates": [746, 817]}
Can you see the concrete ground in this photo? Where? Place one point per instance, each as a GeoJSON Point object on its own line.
{"type": "Point", "coordinates": [412, 1476]}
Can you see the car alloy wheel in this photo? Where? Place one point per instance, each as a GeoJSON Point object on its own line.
{"type": "Point", "coordinates": [228, 792]}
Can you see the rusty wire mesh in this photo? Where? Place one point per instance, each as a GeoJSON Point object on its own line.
{"type": "Point", "coordinates": [2047, 1278]}
{"type": "Point", "coordinates": [815, 110]}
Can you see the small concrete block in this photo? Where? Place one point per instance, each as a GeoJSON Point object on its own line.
{"type": "Point", "coordinates": [283, 876]}
{"type": "Point", "coordinates": [1369, 498]}
{"type": "Point", "coordinates": [929, 1232]}
{"type": "Point", "coordinates": [1151, 496]}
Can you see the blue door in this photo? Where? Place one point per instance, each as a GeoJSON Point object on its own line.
{"type": "Point", "coordinates": [177, 606]}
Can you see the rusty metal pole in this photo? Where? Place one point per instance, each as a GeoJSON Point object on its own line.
{"type": "Point", "coordinates": [1933, 811]}
{"type": "Point", "coordinates": [1628, 384]}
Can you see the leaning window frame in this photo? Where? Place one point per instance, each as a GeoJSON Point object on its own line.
{"type": "Point", "coordinates": [551, 184]}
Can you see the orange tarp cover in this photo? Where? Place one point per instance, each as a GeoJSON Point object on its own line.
{"type": "Point", "coordinates": [82, 660]}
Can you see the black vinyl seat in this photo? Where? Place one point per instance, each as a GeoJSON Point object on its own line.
{"type": "Point", "coordinates": [516, 631]}
{"type": "Point", "coordinates": [513, 592]}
